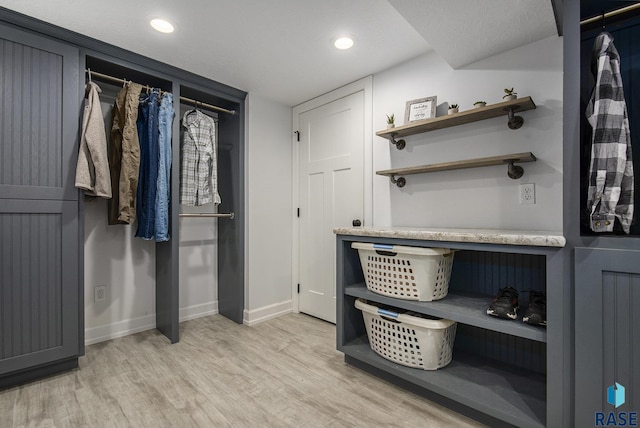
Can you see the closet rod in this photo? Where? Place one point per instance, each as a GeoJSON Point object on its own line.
{"type": "Point", "coordinates": [185, 99]}
{"type": "Point", "coordinates": [610, 14]}
{"type": "Point", "coordinates": [228, 215]}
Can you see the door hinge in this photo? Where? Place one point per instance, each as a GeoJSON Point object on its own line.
{"type": "Point", "coordinates": [298, 212]}
{"type": "Point", "coordinates": [298, 288]}
{"type": "Point", "coordinates": [297, 135]}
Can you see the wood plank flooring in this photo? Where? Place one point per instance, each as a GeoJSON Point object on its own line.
{"type": "Point", "coordinates": [284, 372]}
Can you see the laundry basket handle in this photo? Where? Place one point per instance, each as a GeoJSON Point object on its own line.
{"type": "Point", "coordinates": [388, 315]}
{"type": "Point", "coordinates": [384, 250]}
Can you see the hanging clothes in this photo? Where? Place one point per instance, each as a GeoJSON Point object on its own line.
{"type": "Point", "coordinates": [163, 194]}
{"type": "Point", "coordinates": [198, 160]}
{"type": "Point", "coordinates": [92, 169]}
{"type": "Point", "coordinates": [148, 177]}
{"type": "Point", "coordinates": [610, 193]}
{"type": "Point", "coordinates": [124, 155]}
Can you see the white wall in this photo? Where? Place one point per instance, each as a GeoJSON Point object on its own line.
{"type": "Point", "coordinates": [269, 210]}
{"type": "Point", "coordinates": [480, 197]}
{"type": "Point", "coordinates": [126, 265]}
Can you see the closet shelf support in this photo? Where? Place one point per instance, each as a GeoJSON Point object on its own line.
{"type": "Point", "coordinates": [400, 144]}
{"type": "Point", "coordinates": [400, 181]}
{"type": "Point", "coordinates": [513, 121]}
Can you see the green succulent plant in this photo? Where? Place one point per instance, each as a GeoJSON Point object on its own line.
{"type": "Point", "coordinates": [509, 92]}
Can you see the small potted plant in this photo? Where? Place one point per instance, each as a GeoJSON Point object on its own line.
{"type": "Point", "coordinates": [391, 121]}
{"type": "Point", "coordinates": [453, 108]}
{"type": "Point", "coordinates": [479, 104]}
{"type": "Point", "coordinates": [510, 94]}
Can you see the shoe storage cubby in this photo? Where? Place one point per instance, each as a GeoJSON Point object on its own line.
{"type": "Point", "coordinates": [499, 371]}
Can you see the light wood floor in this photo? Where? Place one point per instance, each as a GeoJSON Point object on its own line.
{"type": "Point", "coordinates": [281, 373]}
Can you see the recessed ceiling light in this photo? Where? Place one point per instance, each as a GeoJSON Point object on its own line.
{"type": "Point", "coordinates": [162, 25]}
{"type": "Point", "coordinates": [343, 42]}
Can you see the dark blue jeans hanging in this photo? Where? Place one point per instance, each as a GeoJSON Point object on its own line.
{"type": "Point", "coordinates": [148, 177]}
{"type": "Point", "coordinates": [165, 119]}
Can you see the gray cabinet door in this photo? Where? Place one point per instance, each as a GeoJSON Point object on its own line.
{"type": "Point", "coordinates": [39, 116]}
{"type": "Point", "coordinates": [38, 283]}
{"type": "Point", "coordinates": [39, 231]}
{"type": "Point", "coordinates": [607, 333]}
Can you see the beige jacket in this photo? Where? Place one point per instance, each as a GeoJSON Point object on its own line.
{"type": "Point", "coordinates": [92, 170]}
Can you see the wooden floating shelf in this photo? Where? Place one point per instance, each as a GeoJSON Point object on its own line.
{"type": "Point", "coordinates": [514, 171]}
{"type": "Point", "coordinates": [487, 112]}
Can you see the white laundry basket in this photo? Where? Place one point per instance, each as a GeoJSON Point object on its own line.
{"type": "Point", "coordinates": [408, 339]}
{"type": "Point", "coordinates": [410, 273]}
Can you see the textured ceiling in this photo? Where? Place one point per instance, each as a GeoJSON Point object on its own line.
{"type": "Point", "coordinates": [281, 49]}
{"type": "Point", "coordinates": [466, 31]}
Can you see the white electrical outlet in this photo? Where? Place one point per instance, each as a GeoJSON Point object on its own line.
{"type": "Point", "coordinates": [528, 193]}
{"type": "Point", "coordinates": [99, 293]}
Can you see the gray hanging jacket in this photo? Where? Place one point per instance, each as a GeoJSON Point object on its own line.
{"type": "Point", "coordinates": [92, 170]}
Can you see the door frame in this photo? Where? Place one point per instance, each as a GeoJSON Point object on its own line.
{"type": "Point", "coordinates": [366, 85]}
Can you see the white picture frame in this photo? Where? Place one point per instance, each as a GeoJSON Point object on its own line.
{"type": "Point", "coordinates": [420, 109]}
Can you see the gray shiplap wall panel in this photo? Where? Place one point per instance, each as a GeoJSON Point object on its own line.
{"type": "Point", "coordinates": [509, 350]}
{"type": "Point", "coordinates": [607, 330]}
{"type": "Point", "coordinates": [30, 274]}
{"type": "Point", "coordinates": [31, 115]}
{"type": "Point", "coordinates": [620, 332]}
{"type": "Point", "coordinates": [483, 272]}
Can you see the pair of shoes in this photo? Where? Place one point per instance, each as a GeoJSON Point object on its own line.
{"type": "Point", "coordinates": [505, 305]}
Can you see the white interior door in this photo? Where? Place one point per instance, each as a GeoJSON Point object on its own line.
{"type": "Point", "coordinates": [331, 194]}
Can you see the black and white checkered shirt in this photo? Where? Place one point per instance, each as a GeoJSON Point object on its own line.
{"type": "Point", "coordinates": [610, 194]}
{"type": "Point", "coordinates": [198, 160]}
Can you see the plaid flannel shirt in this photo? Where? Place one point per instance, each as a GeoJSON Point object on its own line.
{"type": "Point", "coordinates": [610, 194]}
{"type": "Point", "coordinates": [198, 162]}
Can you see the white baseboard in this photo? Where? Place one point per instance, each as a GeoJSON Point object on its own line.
{"type": "Point", "coordinates": [136, 325]}
{"type": "Point", "coordinates": [119, 329]}
{"type": "Point", "coordinates": [197, 311]}
{"type": "Point", "coordinates": [264, 313]}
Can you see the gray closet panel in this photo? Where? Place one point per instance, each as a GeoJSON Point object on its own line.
{"type": "Point", "coordinates": [40, 106]}
{"type": "Point", "coordinates": [30, 256]}
{"type": "Point", "coordinates": [607, 295]}
{"type": "Point", "coordinates": [231, 233]}
{"type": "Point", "coordinates": [38, 283]}
{"type": "Point", "coordinates": [39, 113]}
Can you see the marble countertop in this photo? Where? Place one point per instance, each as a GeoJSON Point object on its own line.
{"type": "Point", "coordinates": [483, 236]}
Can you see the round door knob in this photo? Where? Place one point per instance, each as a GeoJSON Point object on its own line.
{"type": "Point", "coordinates": [356, 223]}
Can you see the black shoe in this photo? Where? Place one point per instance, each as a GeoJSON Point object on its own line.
{"type": "Point", "coordinates": [536, 313]}
{"type": "Point", "coordinates": [505, 304]}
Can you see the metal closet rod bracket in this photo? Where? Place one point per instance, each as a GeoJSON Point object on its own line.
{"type": "Point", "coordinates": [400, 144]}
{"type": "Point", "coordinates": [400, 181]}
